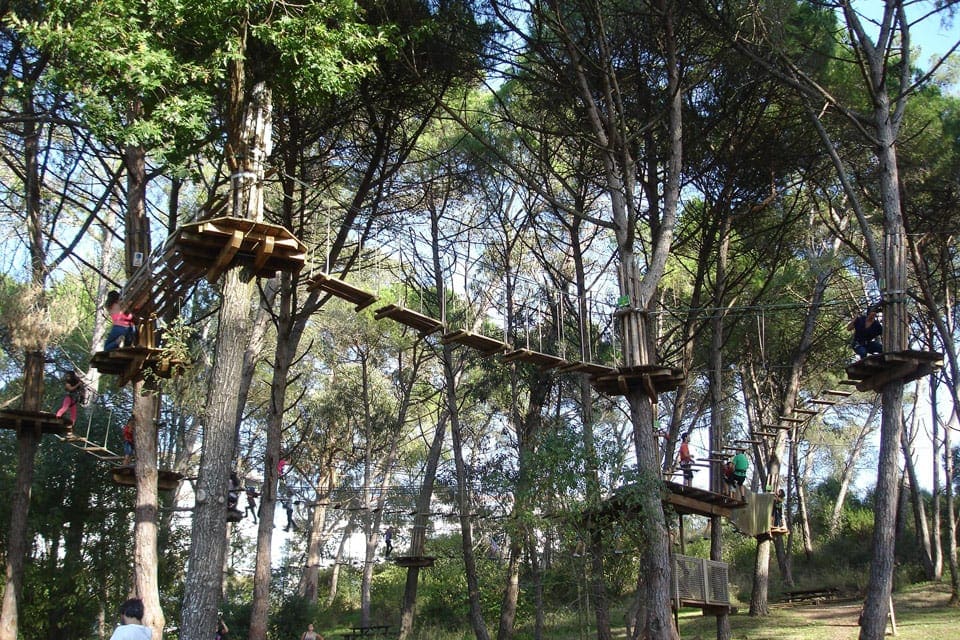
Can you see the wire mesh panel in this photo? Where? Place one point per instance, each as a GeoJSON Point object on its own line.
{"type": "Point", "coordinates": [696, 580]}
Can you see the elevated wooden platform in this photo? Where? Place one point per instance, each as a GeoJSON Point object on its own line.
{"type": "Point", "coordinates": [217, 244]}
{"type": "Point", "coordinates": [484, 344]}
{"type": "Point", "coordinates": [544, 361]}
{"type": "Point", "coordinates": [691, 500]}
{"type": "Point", "coordinates": [418, 321]}
{"type": "Point", "coordinates": [207, 249]}
{"type": "Point", "coordinates": [875, 371]}
{"type": "Point", "coordinates": [683, 499]}
{"type": "Point", "coordinates": [126, 476]}
{"type": "Point", "coordinates": [414, 561]}
{"type": "Point", "coordinates": [131, 363]}
{"type": "Point", "coordinates": [40, 422]}
{"type": "Point", "coordinates": [652, 378]}
{"type": "Point", "coordinates": [360, 298]}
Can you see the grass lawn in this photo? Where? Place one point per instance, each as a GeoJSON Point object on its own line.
{"type": "Point", "coordinates": [921, 612]}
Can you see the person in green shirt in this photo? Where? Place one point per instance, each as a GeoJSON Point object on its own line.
{"type": "Point", "coordinates": [740, 465]}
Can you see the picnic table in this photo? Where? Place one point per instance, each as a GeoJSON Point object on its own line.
{"type": "Point", "coordinates": [367, 631]}
{"type": "Point", "coordinates": [811, 595]}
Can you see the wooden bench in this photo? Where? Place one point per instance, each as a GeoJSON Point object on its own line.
{"type": "Point", "coordinates": [813, 596]}
{"type": "Point", "coordinates": [369, 631]}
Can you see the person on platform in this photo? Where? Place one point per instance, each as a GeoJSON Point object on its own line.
{"type": "Point", "coordinates": [729, 484]}
{"type": "Point", "coordinates": [73, 386]}
{"type": "Point", "coordinates": [686, 459]}
{"type": "Point", "coordinates": [123, 333]}
{"type": "Point", "coordinates": [129, 451]}
{"type": "Point", "coordinates": [778, 524]}
{"type": "Point", "coordinates": [741, 463]}
{"type": "Point", "coordinates": [131, 622]}
{"type": "Point", "coordinates": [388, 541]}
{"type": "Point", "coordinates": [866, 333]}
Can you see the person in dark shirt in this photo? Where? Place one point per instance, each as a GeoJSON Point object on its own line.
{"type": "Point", "coordinates": [866, 333]}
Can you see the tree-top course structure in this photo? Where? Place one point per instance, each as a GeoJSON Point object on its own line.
{"type": "Point", "coordinates": [572, 201]}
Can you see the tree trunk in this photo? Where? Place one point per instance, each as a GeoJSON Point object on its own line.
{"type": "Point", "coordinates": [146, 405]}
{"type": "Point", "coordinates": [284, 353]}
{"type": "Point", "coordinates": [801, 480]}
{"type": "Point", "coordinates": [717, 422]}
{"type": "Point", "coordinates": [948, 472]}
{"type": "Point", "coordinates": [935, 498]}
{"type": "Point", "coordinates": [598, 586]}
{"type": "Point", "coordinates": [850, 465]}
{"type": "Point", "coordinates": [28, 440]}
{"type": "Point", "coordinates": [418, 536]}
{"type": "Point", "coordinates": [916, 503]}
{"type": "Point", "coordinates": [207, 551]}
{"type": "Point", "coordinates": [18, 542]}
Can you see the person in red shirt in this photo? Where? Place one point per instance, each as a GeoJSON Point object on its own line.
{"type": "Point", "coordinates": [128, 450]}
{"type": "Point", "coordinates": [686, 459]}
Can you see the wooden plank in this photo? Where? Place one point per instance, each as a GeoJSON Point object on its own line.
{"type": "Point", "coordinates": [590, 368]}
{"type": "Point", "coordinates": [227, 253]}
{"type": "Point", "coordinates": [691, 505]}
{"type": "Point", "coordinates": [838, 392]}
{"type": "Point", "coordinates": [543, 360]}
{"type": "Point", "coordinates": [419, 321]}
{"type": "Point", "coordinates": [360, 298]}
{"type": "Point", "coordinates": [484, 344]}
{"type": "Point", "coordinates": [263, 252]}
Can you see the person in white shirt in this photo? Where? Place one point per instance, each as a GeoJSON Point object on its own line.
{"type": "Point", "coordinates": [131, 622]}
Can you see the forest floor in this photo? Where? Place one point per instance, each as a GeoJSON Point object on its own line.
{"type": "Point", "coordinates": [922, 613]}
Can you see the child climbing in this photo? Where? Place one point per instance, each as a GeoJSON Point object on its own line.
{"type": "Point", "coordinates": [73, 386]}
{"type": "Point", "coordinates": [123, 333]}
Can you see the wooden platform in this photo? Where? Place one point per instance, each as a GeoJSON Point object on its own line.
{"type": "Point", "coordinates": [484, 344]}
{"type": "Point", "coordinates": [131, 363]}
{"type": "Point", "coordinates": [414, 561]}
{"type": "Point", "coordinates": [544, 361]}
{"type": "Point", "coordinates": [40, 422]}
{"type": "Point", "coordinates": [125, 476]}
{"type": "Point", "coordinates": [654, 379]}
{"type": "Point", "coordinates": [360, 298]}
{"type": "Point", "coordinates": [418, 321]}
{"type": "Point", "coordinates": [683, 499]}
{"type": "Point", "coordinates": [217, 244]}
{"type": "Point", "coordinates": [691, 500]}
{"type": "Point", "coordinates": [875, 371]}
